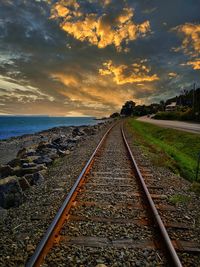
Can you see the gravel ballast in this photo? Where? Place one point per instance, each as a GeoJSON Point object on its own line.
{"type": "Point", "coordinates": [23, 227]}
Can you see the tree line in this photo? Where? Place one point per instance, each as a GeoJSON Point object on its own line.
{"type": "Point", "coordinates": [186, 102]}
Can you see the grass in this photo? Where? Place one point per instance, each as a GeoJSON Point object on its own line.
{"type": "Point", "coordinates": [179, 199]}
{"type": "Point", "coordinates": [56, 162]}
{"type": "Point", "coordinates": [195, 187]}
{"type": "Point", "coordinates": [175, 149]}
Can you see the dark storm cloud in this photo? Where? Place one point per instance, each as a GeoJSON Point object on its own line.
{"type": "Point", "coordinates": [42, 49]}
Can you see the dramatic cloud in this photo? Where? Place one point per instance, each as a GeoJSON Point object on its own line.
{"type": "Point", "coordinates": [134, 73]}
{"type": "Point", "coordinates": [190, 44]}
{"type": "Point", "coordinates": [11, 88]}
{"type": "Point", "coordinates": [52, 54]}
{"type": "Point", "coordinates": [191, 38]}
{"type": "Point", "coordinates": [195, 64]}
{"type": "Point", "coordinates": [99, 27]}
{"type": "Point", "coordinates": [91, 91]}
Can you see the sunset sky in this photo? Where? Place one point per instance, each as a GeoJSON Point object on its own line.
{"type": "Point", "coordinates": [76, 58]}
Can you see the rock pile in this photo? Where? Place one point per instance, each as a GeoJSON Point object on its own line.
{"type": "Point", "coordinates": [31, 164]}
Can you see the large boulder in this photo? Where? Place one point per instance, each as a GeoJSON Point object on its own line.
{"type": "Point", "coordinates": [22, 171]}
{"type": "Point", "coordinates": [29, 178]}
{"type": "Point", "coordinates": [30, 159]}
{"type": "Point", "coordinates": [73, 140]}
{"type": "Point", "coordinates": [63, 146]}
{"type": "Point", "coordinates": [89, 131]}
{"type": "Point", "coordinates": [28, 165]}
{"type": "Point", "coordinates": [43, 160]}
{"type": "Point", "coordinates": [70, 146]}
{"type": "Point", "coordinates": [42, 145]}
{"type": "Point", "coordinates": [24, 160]}
{"type": "Point", "coordinates": [24, 184]}
{"type": "Point", "coordinates": [30, 152]}
{"type": "Point", "coordinates": [11, 194]}
{"type": "Point", "coordinates": [14, 163]}
{"type": "Point", "coordinates": [5, 170]}
{"type": "Point", "coordinates": [62, 153]}
{"type": "Point", "coordinates": [57, 140]}
{"type": "Point", "coordinates": [21, 153]}
{"type": "Point", "coordinates": [34, 178]}
{"type": "Point", "coordinates": [38, 178]}
{"type": "Point", "coordinates": [77, 131]}
{"type": "Point", "coordinates": [53, 154]}
{"type": "Point", "coordinates": [50, 152]}
{"type": "Point", "coordinates": [53, 145]}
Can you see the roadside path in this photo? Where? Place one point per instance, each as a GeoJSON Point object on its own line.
{"type": "Point", "coordinates": [178, 125]}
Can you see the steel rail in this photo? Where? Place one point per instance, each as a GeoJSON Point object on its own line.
{"type": "Point", "coordinates": [39, 254]}
{"type": "Point", "coordinates": [169, 246]}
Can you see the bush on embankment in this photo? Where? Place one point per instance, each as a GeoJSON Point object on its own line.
{"type": "Point", "coordinates": [187, 115]}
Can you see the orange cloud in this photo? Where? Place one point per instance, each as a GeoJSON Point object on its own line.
{"type": "Point", "coordinates": [67, 79]}
{"type": "Point", "coordinates": [106, 2]}
{"type": "Point", "coordinates": [191, 38]}
{"type": "Point", "coordinates": [195, 64]}
{"type": "Point", "coordinates": [172, 75]}
{"type": "Point", "coordinates": [100, 30]}
{"type": "Point", "coordinates": [123, 74]}
{"type": "Point", "coordinates": [61, 10]}
{"type": "Point", "coordinates": [190, 44]}
{"type": "Point", "coordinates": [95, 93]}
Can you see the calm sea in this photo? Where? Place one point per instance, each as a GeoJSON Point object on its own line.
{"type": "Point", "coordinates": [15, 126]}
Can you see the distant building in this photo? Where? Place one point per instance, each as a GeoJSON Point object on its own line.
{"type": "Point", "coordinates": [171, 107]}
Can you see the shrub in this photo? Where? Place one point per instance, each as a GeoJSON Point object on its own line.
{"type": "Point", "coordinates": [170, 115]}
{"type": "Point", "coordinates": [182, 115]}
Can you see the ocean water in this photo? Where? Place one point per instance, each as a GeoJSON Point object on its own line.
{"type": "Point", "coordinates": [11, 126]}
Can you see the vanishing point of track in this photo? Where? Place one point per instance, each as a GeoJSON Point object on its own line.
{"type": "Point", "coordinates": [109, 216]}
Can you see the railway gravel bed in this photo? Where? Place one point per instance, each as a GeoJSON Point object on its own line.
{"type": "Point", "coordinates": [87, 256]}
{"type": "Point", "coordinates": [108, 230]}
{"type": "Point", "coordinates": [173, 186]}
{"type": "Point", "coordinates": [120, 213]}
{"type": "Point", "coordinates": [103, 229]}
{"type": "Point", "coordinates": [103, 225]}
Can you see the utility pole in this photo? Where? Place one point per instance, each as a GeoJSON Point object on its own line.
{"type": "Point", "coordinates": [193, 101]}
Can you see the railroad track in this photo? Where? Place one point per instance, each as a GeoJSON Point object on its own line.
{"type": "Point", "coordinates": [109, 217]}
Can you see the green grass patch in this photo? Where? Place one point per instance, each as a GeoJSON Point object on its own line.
{"type": "Point", "coordinates": [179, 199]}
{"type": "Point", "coordinates": [175, 149]}
{"type": "Point", "coordinates": [195, 187]}
{"type": "Point", "coordinates": [56, 162]}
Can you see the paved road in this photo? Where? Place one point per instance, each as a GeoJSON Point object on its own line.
{"type": "Point", "coordinates": [179, 125]}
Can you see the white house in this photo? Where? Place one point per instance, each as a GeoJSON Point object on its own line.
{"type": "Point", "coordinates": [171, 107]}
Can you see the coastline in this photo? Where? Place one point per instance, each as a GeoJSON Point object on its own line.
{"type": "Point", "coordinates": [16, 126]}
{"type": "Point", "coordinates": [25, 161]}
{"type": "Point", "coordinates": [25, 225]}
{"type": "Point", "coordinates": [9, 147]}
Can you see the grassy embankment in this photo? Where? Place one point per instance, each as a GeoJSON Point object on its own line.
{"type": "Point", "coordinates": [174, 149]}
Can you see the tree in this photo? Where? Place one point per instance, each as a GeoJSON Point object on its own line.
{"type": "Point", "coordinates": [128, 108]}
{"type": "Point", "coordinates": [114, 115]}
{"type": "Point", "coordinates": [162, 105]}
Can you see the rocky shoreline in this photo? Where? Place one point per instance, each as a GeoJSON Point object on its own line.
{"type": "Point", "coordinates": [31, 155]}
{"type": "Point", "coordinates": [22, 227]}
